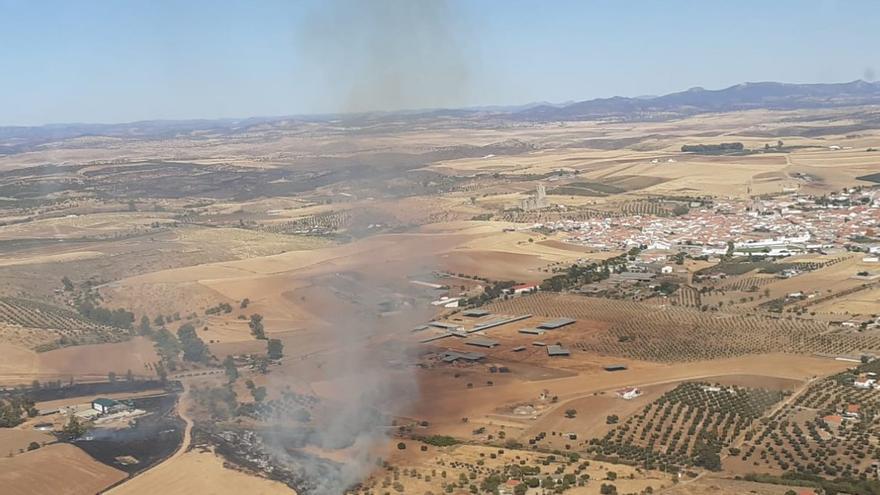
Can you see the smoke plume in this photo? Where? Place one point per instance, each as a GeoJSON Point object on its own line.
{"type": "Point", "coordinates": [388, 54]}
{"type": "Point", "coordinates": [375, 55]}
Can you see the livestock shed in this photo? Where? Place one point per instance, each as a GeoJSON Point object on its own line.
{"type": "Point", "coordinates": [475, 313]}
{"type": "Point", "coordinates": [557, 323]}
{"type": "Point", "coordinates": [531, 331]}
{"type": "Point", "coordinates": [614, 367]}
{"type": "Point", "coordinates": [481, 342]}
{"type": "Point", "coordinates": [452, 356]}
{"type": "Point", "coordinates": [557, 350]}
{"type": "Point", "coordinates": [444, 325]}
{"type": "Point", "coordinates": [519, 348]}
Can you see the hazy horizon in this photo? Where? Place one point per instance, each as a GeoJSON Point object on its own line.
{"type": "Point", "coordinates": [102, 62]}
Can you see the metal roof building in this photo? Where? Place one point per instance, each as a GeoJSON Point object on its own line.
{"type": "Point", "coordinates": [444, 325]}
{"type": "Point", "coordinates": [557, 323]}
{"type": "Point", "coordinates": [481, 342]}
{"type": "Point", "coordinates": [557, 350]}
{"type": "Point", "coordinates": [531, 331]}
{"type": "Point", "coordinates": [452, 356]}
{"type": "Point", "coordinates": [475, 313]}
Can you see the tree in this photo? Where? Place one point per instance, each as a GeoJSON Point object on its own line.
{"type": "Point", "coordinates": [159, 320]}
{"type": "Point", "coordinates": [231, 370]}
{"type": "Point", "coordinates": [167, 346]}
{"type": "Point", "coordinates": [33, 446]}
{"type": "Point", "coordinates": [259, 393]}
{"type": "Point", "coordinates": [570, 413]}
{"type": "Point", "coordinates": [68, 285]}
{"type": "Point", "coordinates": [256, 325]}
{"type": "Point", "coordinates": [144, 327]}
{"type": "Point", "coordinates": [244, 303]}
{"type": "Point", "coordinates": [608, 489]}
{"type": "Point", "coordinates": [129, 376]}
{"type": "Point", "coordinates": [74, 428]}
{"type": "Point", "coordinates": [194, 349]}
{"type": "Point", "coordinates": [161, 372]}
{"type": "Point", "coordinates": [275, 349]}
{"type": "Point", "coordinates": [111, 377]}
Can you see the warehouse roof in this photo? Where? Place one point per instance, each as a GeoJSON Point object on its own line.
{"type": "Point", "coordinates": [476, 313]}
{"type": "Point", "coordinates": [481, 342]}
{"type": "Point", "coordinates": [557, 350]}
{"type": "Point", "coordinates": [557, 323]}
{"type": "Point", "coordinates": [531, 331]}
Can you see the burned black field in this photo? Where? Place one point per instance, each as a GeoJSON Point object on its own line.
{"type": "Point", "coordinates": [148, 441]}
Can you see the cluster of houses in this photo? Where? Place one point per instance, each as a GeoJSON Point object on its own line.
{"type": "Point", "coordinates": [767, 227]}
{"type": "Point", "coordinates": [852, 412]}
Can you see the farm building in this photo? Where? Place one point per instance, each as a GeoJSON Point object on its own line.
{"type": "Point", "coordinates": [629, 393]}
{"type": "Point", "coordinates": [444, 325]}
{"type": "Point", "coordinates": [519, 348]}
{"type": "Point", "coordinates": [521, 289]}
{"type": "Point", "coordinates": [557, 323]}
{"type": "Point", "coordinates": [452, 356]}
{"type": "Point", "coordinates": [632, 277]}
{"type": "Point", "coordinates": [531, 331]}
{"type": "Point", "coordinates": [614, 367]}
{"type": "Point", "coordinates": [833, 420]}
{"type": "Point", "coordinates": [864, 382]}
{"type": "Point", "coordinates": [853, 411]}
{"type": "Point", "coordinates": [498, 322]}
{"type": "Point", "coordinates": [557, 350]}
{"type": "Point", "coordinates": [481, 342]}
{"type": "Point", "coordinates": [476, 313]}
{"type": "Point", "coordinates": [103, 405]}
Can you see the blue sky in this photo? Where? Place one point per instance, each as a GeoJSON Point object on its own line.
{"type": "Point", "coordinates": [118, 61]}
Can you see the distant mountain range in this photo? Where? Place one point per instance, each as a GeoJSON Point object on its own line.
{"type": "Point", "coordinates": [747, 96]}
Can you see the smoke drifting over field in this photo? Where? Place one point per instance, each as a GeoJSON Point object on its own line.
{"type": "Point", "coordinates": [377, 55]}
{"type": "Point", "coordinates": [388, 54]}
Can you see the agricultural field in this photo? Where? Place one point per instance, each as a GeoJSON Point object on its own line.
{"type": "Point", "coordinates": [680, 334]}
{"type": "Point", "coordinates": [44, 327]}
{"type": "Point", "coordinates": [829, 429]}
{"type": "Point", "coordinates": [61, 468]}
{"type": "Point", "coordinates": [687, 426]}
{"type": "Point", "coordinates": [420, 467]}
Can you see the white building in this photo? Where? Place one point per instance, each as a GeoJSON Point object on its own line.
{"type": "Point", "coordinates": [629, 393]}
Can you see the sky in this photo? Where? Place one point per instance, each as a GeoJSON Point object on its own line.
{"type": "Point", "coordinates": [121, 61]}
